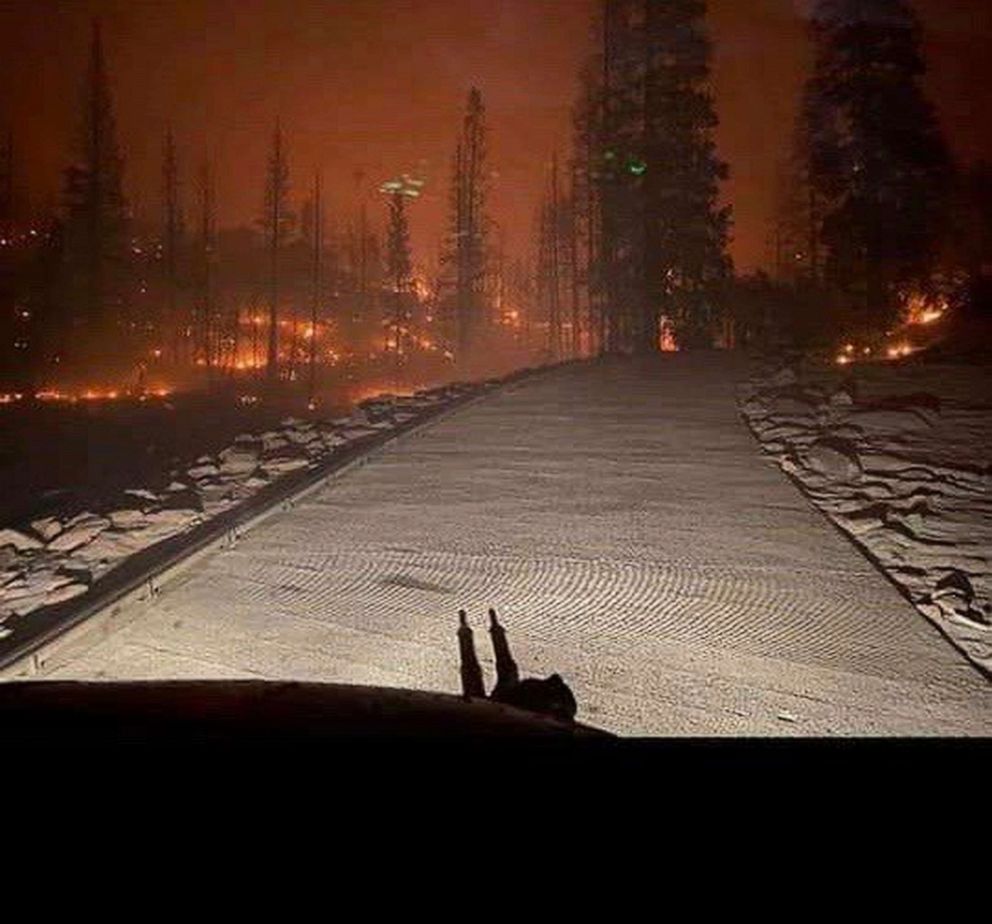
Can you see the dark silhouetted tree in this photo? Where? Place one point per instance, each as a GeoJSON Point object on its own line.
{"type": "Point", "coordinates": [205, 326]}
{"type": "Point", "coordinates": [552, 263]}
{"type": "Point", "coordinates": [970, 238]}
{"type": "Point", "coordinates": [174, 320]}
{"type": "Point", "coordinates": [877, 161]}
{"type": "Point", "coordinates": [466, 255]}
{"type": "Point", "coordinates": [276, 222]}
{"type": "Point", "coordinates": [6, 174]}
{"type": "Point", "coordinates": [661, 235]}
{"type": "Point", "coordinates": [584, 205]}
{"type": "Point", "coordinates": [95, 238]}
{"type": "Point", "coordinates": [399, 269]}
{"type": "Point", "coordinates": [686, 231]}
{"type": "Point", "coordinates": [316, 284]}
{"type": "Point", "coordinates": [620, 127]}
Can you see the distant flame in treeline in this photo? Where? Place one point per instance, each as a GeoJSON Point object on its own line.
{"type": "Point", "coordinates": [368, 392]}
{"type": "Point", "coordinates": [88, 394]}
{"type": "Point", "coordinates": [666, 337]}
{"type": "Point", "coordinates": [244, 356]}
{"type": "Point", "coordinates": [919, 311]}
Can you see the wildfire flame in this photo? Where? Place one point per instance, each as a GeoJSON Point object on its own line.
{"type": "Point", "coordinates": [921, 309]}
{"type": "Point", "coordinates": [666, 337]}
{"type": "Point", "coordinates": [899, 350]}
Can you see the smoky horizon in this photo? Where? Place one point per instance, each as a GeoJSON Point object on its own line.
{"type": "Point", "coordinates": [369, 91]}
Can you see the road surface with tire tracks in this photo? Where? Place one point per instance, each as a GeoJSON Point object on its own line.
{"type": "Point", "coordinates": [623, 521]}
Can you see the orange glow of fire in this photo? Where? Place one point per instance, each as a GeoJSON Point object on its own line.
{"type": "Point", "coordinates": [921, 310]}
{"type": "Point", "coordinates": [666, 338]}
{"type": "Point", "coordinates": [98, 394]}
{"type": "Point", "coordinates": [377, 391]}
{"type": "Point", "coordinates": [899, 350]}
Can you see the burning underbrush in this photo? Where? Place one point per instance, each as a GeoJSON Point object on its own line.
{"type": "Point", "coordinates": [925, 323]}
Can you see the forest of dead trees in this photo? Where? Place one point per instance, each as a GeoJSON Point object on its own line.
{"type": "Point", "coordinates": [630, 250]}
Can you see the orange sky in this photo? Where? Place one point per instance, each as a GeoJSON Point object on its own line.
{"type": "Point", "coordinates": [378, 86]}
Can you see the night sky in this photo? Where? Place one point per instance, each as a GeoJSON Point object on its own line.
{"type": "Point", "coordinates": [378, 86]}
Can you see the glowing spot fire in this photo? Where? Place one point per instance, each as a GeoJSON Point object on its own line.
{"type": "Point", "coordinates": [899, 350]}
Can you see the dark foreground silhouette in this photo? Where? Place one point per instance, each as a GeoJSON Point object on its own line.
{"type": "Point", "coordinates": [550, 696]}
{"type": "Point", "coordinates": [251, 711]}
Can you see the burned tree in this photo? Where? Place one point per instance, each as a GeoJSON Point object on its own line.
{"type": "Point", "coordinates": [400, 270]}
{"type": "Point", "coordinates": [6, 175]}
{"type": "Point", "coordinates": [586, 131]}
{"type": "Point", "coordinates": [276, 222]}
{"type": "Point", "coordinates": [316, 287]}
{"type": "Point", "coordinates": [205, 332]}
{"type": "Point", "coordinates": [618, 164]}
{"type": "Point", "coordinates": [173, 234]}
{"type": "Point", "coordinates": [549, 275]}
{"type": "Point", "coordinates": [466, 255]}
{"type": "Point", "coordinates": [95, 224]}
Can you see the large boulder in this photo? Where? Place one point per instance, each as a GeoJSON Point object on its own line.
{"type": "Point", "coordinates": [78, 532]}
{"type": "Point", "coordinates": [19, 541]}
{"type": "Point", "coordinates": [185, 498]}
{"type": "Point", "coordinates": [955, 595]}
{"type": "Point", "coordinates": [783, 378]}
{"type": "Point", "coordinates": [791, 405]}
{"type": "Point", "coordinates": [203, 470]}
{"type": "Point", "coordinates": [47, 528]}
{"type": "Point", "coordinates": [833, 459]}
{"type": "Point", "coordinates": [239, 460]}
{"type": "Point", "coordinates": [889, 421]}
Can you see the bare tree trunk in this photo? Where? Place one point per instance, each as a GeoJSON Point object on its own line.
{"type": "Point", "coordinates": [170, 177]}
{"type": "Point", "coordinates": [206, 322]}
{"type": "Point", "coordinates": [315, 283]}
{"type": "Point", "coordinates": [554, 274]}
